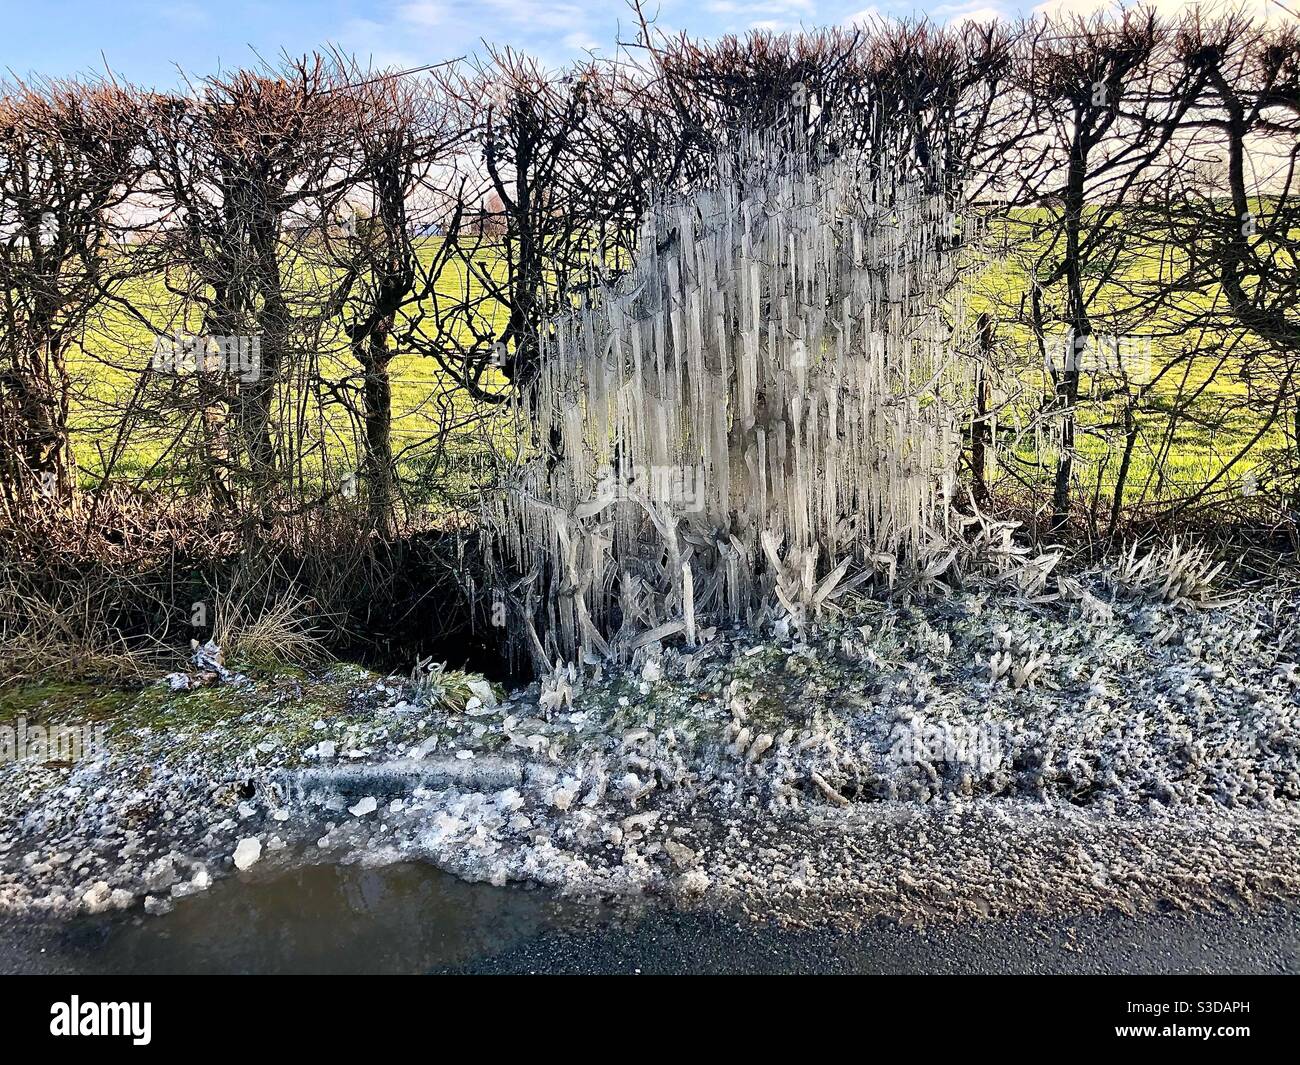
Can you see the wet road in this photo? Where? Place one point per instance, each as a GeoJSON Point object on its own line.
{"type": "Point", "coordinates": [1267, 942]}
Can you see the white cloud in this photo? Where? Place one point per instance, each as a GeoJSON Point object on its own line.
{"type": "Point", "coordinates": [580, 42]}
{"type": "Point", "coordinates": [373, 42]}
{"type": "Point", "coordinates": [979, 14]}
{"type": "Point", "coordinates": [970, 11]}
{"type": "Point", "coordinates": [1265, 10]}
{"type": "Point", "coordinates": [950, 14]}
{"type": "Point", "coordinates": [422, 14]}
{"type": "Point", "coordinates": [540, 13]}
{"type": "Point", "coordinates": [862, 18]}
{"type": "Point", "coordinates": [786, 8]}
{"type": "Point", "coordinates": [775, 16]}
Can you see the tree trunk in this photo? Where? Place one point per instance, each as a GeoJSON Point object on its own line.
{"type": "Point", "coordinates": [374, 356]}
{"type": "Point", "coordinates": [1067, 381]}
{"type": "Point", "coordinates": [980, 429]}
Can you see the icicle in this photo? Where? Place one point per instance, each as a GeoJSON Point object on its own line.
{"type": "Point", "coordinates": [688, 603]}
{"type": "Point", "coordinates": [778, 360]}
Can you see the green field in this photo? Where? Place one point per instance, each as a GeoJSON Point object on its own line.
{"type": "Point", "coordinates": [1194, 411]}
{"type": "Point", "coordinates": [438, 430]}
{"type": "Point", "coordinates": [440, 435]}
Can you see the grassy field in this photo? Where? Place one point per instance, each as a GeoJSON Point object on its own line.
{"type": "Point", "coordinates": [440, 434]}
{"type": "Point", "coordinates": [1195, 412]}
{"type": "Point", "coordinates": [438, 430]}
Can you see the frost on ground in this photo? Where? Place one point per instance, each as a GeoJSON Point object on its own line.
{"type": "Point", "coordinates": [984, 752]}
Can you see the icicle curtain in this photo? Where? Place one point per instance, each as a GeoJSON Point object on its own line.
{"type": "Point", "coordinates": [771, 392]}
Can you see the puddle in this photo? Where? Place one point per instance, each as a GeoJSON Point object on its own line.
{"type": "Point", "coordinates": [402, 918]}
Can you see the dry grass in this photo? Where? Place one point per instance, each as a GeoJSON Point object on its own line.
{"type": "Point", "coordinates": [70, 639]}
{"type": "Point", "coordinates": [285, 631]}
{"type": "Point", "coordinates": [107, 590]}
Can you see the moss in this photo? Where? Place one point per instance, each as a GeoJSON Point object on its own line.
{"type": "Point", "coordinates": [57, 702]}
{"type": "Point", "coordinates": [282, 706]}
{"type": "Point", "coordinates": [224, 724]}
{"type": "Point", "coordinates": [158, 707]}
{"type": "Point", "coordinates": [270, 671]}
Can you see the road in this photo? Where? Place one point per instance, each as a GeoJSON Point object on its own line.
{"type": "Point", "coordinates": [411, 918]}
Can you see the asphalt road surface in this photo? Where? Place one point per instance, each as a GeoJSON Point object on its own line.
{"type": "Point", "coordinates": [411, 918]}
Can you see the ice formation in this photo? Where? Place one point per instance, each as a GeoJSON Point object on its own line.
{"type": "Point", "coordinates": [1129, 748]}
{"type": "Point", "coordinates": [767, 395]}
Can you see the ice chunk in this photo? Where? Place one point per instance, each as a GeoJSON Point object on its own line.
{"type": "Point", "coordinates": [368, 805]}
{"type": "Point", "coordinates": [247, 852]}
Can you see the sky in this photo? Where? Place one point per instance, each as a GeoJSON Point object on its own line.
{"type": "Point", "coordinates": [145, 41]}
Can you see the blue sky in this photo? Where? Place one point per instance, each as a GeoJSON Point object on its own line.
{"type": "Point", "coordinates": [144, 40]}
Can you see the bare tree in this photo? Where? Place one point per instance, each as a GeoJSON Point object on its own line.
{"type": "Point", "coordinates": [1226, 220]}
{"type": "Point", "coordinates": [235, 171]}
{"type": "Point", "coordinates": [68, 161]}
{"type": "Point", "coordinates": [1103, 113]}
{"type": "Point", "coordinates": [389, 246]}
